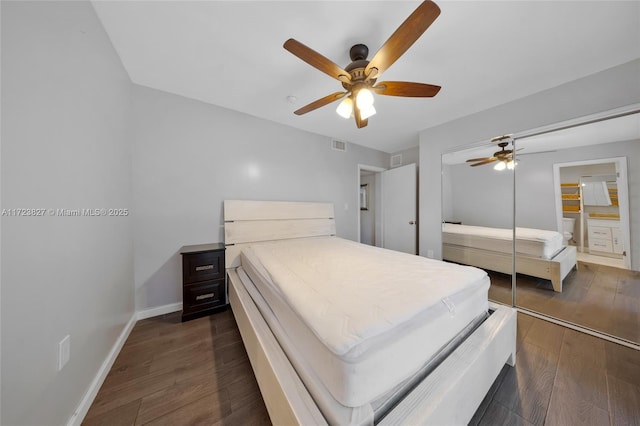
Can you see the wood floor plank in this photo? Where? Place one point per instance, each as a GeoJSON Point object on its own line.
{"type": "Point", "coordinates": [590, 349]}
{"type": "Point", "coordinates": [525, 321]}
{"type": "Point", "coordinates": [624, 402]}
{"type": "Point", "coordinates": [580, 378]}
{"type": "Point", "coordinates": [623, 363]}
{"type": "Point", "coordinates": [253, 414]}
{"type": "Point", "coordinates": [531, 296]}
{"type": "Point", "coordinates": [629, 284]}
{"type": "Point", "coordinates": [176, 396]}
{"type": "Point", "coordinates": [571, 411]}
{"type": "Point", "coordinates": [546, 335]}
{"type": "Point", "coordinates": [169, 367]}
{"type": "Point", "coordinates": [204, 411]}
{"type": "Point", "coordinates": [126, 369]}
{"type": "Point", "coordinates": [199, 353]}
{"type": "Point", "coordinates": [526, 389]}
{"type": "Point", "coordinates": [117, 396]}
{"type": "Point", "coordinates": [499, 415]}
{"type": "Point", "coordinates": [233, 352]}
{"type": "Point", "coordinates": [244, 392]}
{"type": "Point", "coordinates": [225, 322]}
{"type": "Point", "coordinates": [229, 380]}
{"type": "Point", "coordinates": [124, 415]}
{"type": "Point", "coordinates": [627, 317]}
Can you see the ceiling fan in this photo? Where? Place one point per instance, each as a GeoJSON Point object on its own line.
{"type": "Point", "coordinates": [504, 157]}
{"type": "Point", "coordinates": [359, 77]}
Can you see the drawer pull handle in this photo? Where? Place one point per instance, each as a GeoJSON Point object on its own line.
{"type": "Point", "coordinates": [205, 296]}
{"type": "Point", "coordinates": [203, 268]}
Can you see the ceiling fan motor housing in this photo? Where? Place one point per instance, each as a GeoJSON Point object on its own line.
{"type": "Point", "coordinates": [503, 153]}
{"type": "Point", "coordinates": [358, 54]}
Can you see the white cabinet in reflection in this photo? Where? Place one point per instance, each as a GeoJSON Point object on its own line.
{"type": "Point", "coordinates": [605, 237]}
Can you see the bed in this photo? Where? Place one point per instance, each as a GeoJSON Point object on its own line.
{"type": "Point", "coordinates": [320, 358]}
{"type": "Point", "coordinates": [539, 253]}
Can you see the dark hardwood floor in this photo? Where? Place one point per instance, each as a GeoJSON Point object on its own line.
{"type": "Point", "coordinates": [599, 297]}
{"type": "Point", "coordinates": [564, 377]}
{"type": "Point", "coordinates": [174, 373]}
{"type": "Point", "coordinates": [198, 373]}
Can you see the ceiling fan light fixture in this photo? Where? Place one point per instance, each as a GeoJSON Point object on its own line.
{"type": "Point", "coordinates": [511, 164]}
{"type": "Point", "coordinates": [500, 165]}
{"type": "Point", "coordinates": [364, 99]}
{"type": "Point", "coordinates": [367, 112]}
{"type": "Point", "coordinates": [345, 108]}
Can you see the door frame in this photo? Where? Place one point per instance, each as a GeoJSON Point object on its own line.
{"type": "Point", "coordinates": [623, 198]}
{"type": "Point", "coordinates": [378, 198]}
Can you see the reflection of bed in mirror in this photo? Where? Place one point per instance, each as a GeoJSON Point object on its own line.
{"type": "Point", "coordinates": [539, 253]}
{"type": "Point", "coordinates": [321, 357]}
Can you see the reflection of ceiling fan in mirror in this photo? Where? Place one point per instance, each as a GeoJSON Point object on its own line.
{"type": "Point", "coordinates": [504, 157]}
{"type": "Point", "coordinates": [359, 77]}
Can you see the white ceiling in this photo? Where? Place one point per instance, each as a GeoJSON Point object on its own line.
{"type": "Point", "coordinates": [482, 53]}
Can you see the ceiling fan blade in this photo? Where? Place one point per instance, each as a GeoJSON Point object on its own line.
{"type": "Point", "coordinates": [316, 60]}
{"type": "Point", "coordinates": [360, 122]}
{"type": "Point", "coordinates": [320, 103]}
{"type": "Point", "coordinates": [487, 161]}
{"type": "Point", "coordinates": [406, 89]}
{"type": "Point", "coordinates": [402, 39]}
{"type": "Point", "coordinates": [473, 160]}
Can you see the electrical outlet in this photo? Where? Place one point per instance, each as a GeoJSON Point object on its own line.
{"type": "Point", "coordinates": [430, 254]}
{"type": "Point", "coordinates": [64, 351]}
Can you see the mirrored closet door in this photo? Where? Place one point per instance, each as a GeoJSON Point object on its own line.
{"type": "Point", "coordinates": [571, 192]}
{"type": "Point", "coordinates": [577, 181]}
{"type": "Point", "coordinates": [478, 200]}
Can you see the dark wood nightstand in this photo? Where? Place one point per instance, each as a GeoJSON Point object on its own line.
{"type": "Point", "coordinates": [204, 285]}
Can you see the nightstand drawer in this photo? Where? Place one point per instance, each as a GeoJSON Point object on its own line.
{"type": "Point", "coordinates": [203, 266]}
{"type": "Point", "coordinates": [600, 245]}
{"type": "Point", "coordinates": [204, 287]}
{"type": "Point", "coordinates": [204, 295]}
{"type": "Point", "coordinates": [600, 232]}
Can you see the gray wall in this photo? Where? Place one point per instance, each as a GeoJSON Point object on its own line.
{"type": "Point", "coordinates": [190, 156]}
{"type": "Point", "coordinates": [599, 92]}
{"type": "Point", "coordinates": [65, 144]}
{"type": "Point", "coordinates": [479, 195]}
{"type": "Point", "coordinates": [409, 156]}
{"type": "Point", "coordinates": [535, 190]}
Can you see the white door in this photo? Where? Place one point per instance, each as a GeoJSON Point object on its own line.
{"type": "Point", "coordinates": [399, 209]}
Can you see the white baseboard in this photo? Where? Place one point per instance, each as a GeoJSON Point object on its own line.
{"type": "Point", "coordinates": [78, 416]}
{"type": "Point", "coordinates": [159, 310]}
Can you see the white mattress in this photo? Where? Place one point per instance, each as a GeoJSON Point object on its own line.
{"type": "Point", "coordinates": [363, 318]}
{"type": "Point", "coordinates": [529, 242]}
